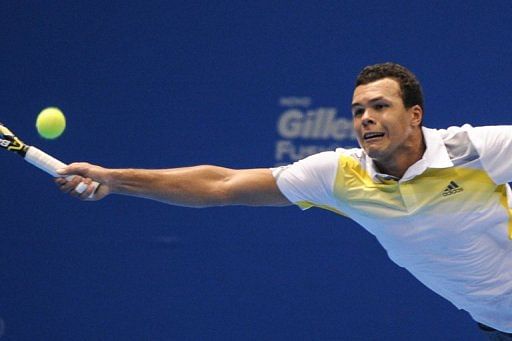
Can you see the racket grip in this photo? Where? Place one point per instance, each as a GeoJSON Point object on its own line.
{"type": "Point", "coordinates": [49, 164]}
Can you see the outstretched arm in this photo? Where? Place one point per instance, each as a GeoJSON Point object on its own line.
{"type": "Point", "coordinates": [198, 186]}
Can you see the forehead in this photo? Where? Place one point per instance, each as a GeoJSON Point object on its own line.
{"type": "Point", "coordinates": [386, 87]}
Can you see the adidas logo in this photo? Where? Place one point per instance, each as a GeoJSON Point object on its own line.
{"type": "Point", "coordinates": [452, 188]}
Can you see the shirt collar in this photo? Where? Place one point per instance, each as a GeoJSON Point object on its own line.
{"type": "Point", "coordinates": [435, 156]}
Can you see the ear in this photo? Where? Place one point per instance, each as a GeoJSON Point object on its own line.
{"type": "Point", "coordinates": [416, 115]}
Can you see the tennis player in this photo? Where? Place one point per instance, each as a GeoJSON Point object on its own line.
{"type": "Point", "coordinates": [437, 200]}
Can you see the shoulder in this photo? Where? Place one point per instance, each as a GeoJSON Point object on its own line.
{"type": "Point", "coordinates": [452, 132]}
{"type": "Point", "coordinates": [490, 145]}
{"type": "Point", "coordinates": [481, 138]}
{"type": "Point", "coordinates": [324, 164]}
{"type": "Point", "coordinates": [479, 132]}
{"type": "Point", "coordinates": [330, 157]}
{"type": "Point", "coordinates": [312, 178]}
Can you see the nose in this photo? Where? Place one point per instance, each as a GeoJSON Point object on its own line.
{"type": "Point", "coordinates": [366, 118]}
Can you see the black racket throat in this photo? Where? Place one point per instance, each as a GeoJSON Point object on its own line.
{"type": "Point", "coordinates": [12, 143]}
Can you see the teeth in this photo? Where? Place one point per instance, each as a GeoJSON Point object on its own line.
{"type": "Point", "coordinates": [372, 135]}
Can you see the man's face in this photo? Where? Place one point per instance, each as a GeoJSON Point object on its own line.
{"type": "Point", "coordinates": [383, 125]}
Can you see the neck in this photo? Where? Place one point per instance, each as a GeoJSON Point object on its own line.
{"type": "Point", "coordinates": [398, 163]}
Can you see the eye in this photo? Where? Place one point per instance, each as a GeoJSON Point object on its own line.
{"type": "Point", "coordinates": [356, 112]}
{"type": "Point", "coordinates": [380, 106]}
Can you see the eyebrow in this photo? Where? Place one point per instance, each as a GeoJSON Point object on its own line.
{"type": "Point", "coordinates": [370, 101]}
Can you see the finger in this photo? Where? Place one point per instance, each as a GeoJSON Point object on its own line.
{"type": "Point", "coordinates": [67, 186]}
{"type": "Point", "coordinates": [81, 187]}
{"type": "Point", "coordinates": [60, 181]}
{"type": "Point", "coordinates": [88, 193]}
{"type": "Point", "coordinates": [78, 190]}
{"type": "Point", "coordinates": [78, 168]}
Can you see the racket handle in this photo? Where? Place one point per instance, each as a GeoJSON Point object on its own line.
{"type": "Point", "coordinates": [49, 164]}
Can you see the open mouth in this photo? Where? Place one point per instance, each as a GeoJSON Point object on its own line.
{"type": "Point", "coordinates": [372, 135]}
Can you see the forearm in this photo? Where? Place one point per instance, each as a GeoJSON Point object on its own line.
{"type": "Point", "coordinates": [198, 186]}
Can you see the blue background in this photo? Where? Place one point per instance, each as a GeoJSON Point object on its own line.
{"type": "Point", "coordinates": [162, 84]}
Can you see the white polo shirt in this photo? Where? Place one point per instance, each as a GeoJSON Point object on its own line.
{"type": "Point", "coordinates": [447, 220]}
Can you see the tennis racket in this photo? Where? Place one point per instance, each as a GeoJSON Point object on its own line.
{"type": "Point", "coordinates": [37, 157]}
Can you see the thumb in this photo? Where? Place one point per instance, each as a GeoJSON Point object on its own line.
{"type": "Point", "coordinates": [76, 168]}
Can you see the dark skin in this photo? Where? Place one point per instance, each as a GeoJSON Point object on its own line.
{"type": "Point", "coordinates": [378, 110]}
{"type": "Point", "coordinates": [388, 132]}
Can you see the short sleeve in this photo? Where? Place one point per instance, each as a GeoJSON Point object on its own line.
{"type": "Point", "coordinates": [309, 182]}
{"type": "Point", "coordinates": [494, 145]}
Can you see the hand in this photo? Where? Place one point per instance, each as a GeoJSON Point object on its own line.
{"type": "Point", "coordinates": [84, 173]}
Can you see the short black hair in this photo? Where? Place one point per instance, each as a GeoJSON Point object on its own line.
{"type": "Point", "coordinates": [410, 87]}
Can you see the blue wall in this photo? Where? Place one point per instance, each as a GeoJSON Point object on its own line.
{"type": "Point", "coordinates": [172, 83]}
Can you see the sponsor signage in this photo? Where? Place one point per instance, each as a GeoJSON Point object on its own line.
{"type": "Point", "coordinates": [304, 130]}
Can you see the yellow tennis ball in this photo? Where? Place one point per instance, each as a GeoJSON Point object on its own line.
{"type": "Point", "coordinates": [50, 123]}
